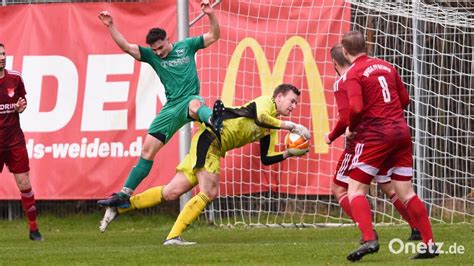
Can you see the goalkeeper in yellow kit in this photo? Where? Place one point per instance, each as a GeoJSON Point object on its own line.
{"type": "Point", "coordinates": [256, 120]}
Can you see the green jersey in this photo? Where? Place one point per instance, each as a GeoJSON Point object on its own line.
{"type": "Point", "coordinates": [177, 71]}
{"type": "Point", "coordinates": [249, 123]}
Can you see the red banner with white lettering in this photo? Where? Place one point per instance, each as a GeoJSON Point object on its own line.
{"type": "Point", "coordinates": [89, 104]}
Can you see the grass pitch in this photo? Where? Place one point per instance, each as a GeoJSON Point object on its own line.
{"type": "Point", "coordinates": [137, 239]}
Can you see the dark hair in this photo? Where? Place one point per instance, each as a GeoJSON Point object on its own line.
{"type": "Point", "coordinates": [338, 56]}
{"type": "Point", "coordinates": [1, 44]}
{"type": "Point", "coordinates": [284, 89]}
{"type": "Point", "coordinates": [354, 42]}
{"type": "Point", "coordinates": [154, 35]}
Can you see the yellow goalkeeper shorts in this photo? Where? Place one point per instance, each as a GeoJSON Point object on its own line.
{"type": "Point", "coordinates": [204, 153]}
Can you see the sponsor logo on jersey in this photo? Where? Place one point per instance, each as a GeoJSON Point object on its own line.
{"type": "Point", "coordinates": [176, 62]}
{"type": "Point", "coordinates": [7, 108]}
{"type": "Point", "coordinates": [180, 52]}
{"type": "Point", "coordinates": [11, 92]}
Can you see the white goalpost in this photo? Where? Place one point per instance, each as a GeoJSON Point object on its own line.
{"type": "Point", "coordinates": [431, 43]}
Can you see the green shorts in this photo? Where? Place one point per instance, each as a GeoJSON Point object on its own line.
{"type": "Point", "coordinates": [204, 153]}
{"type": "Point", "coordinates": [171, 118]}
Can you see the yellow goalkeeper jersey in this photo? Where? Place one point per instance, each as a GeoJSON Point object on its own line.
{"type": "Point", "coordinates": [249, 123]}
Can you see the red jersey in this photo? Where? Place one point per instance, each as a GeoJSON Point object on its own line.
{"type": "Point", "coordinates": [342, 101]}
{"type": "Point", "coordinates": [375, 88]}
{"type": "Point", "coordinates": [11, 89]}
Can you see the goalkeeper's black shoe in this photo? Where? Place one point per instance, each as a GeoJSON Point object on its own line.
{"type": "Point", "coordinates": [430, 253]}
{"type": "Point", "coordinates": [35, 235]}
{"type": "Point", "coordinates": [368, 247]}
{"type": "Point", "coordinates": [217, 118]}
{"type": "Point", "coordinates": [115, 201]}
{"type": "Point", "coordinates": [415, 235]}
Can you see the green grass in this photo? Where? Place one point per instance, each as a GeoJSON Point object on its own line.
{"type": "Point", "coordinates": [137, 239]}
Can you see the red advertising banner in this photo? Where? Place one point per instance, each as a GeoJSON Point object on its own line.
{"type": "Point", "coordinates": [89, 104]}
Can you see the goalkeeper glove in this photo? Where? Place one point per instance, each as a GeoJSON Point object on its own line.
{"type": "Point", "coordinates": [298, 129]}
{"type": "Point", "coordinates": [296, 152]}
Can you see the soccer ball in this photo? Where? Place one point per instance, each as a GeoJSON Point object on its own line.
{"type": "Point", "coordinates": [295, 141]}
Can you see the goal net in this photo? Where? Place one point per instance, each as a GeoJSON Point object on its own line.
{"type": "Point", "coordinates": [265, 43]}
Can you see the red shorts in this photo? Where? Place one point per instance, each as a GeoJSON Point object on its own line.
{"type": "Point", "coordinates": [341, 177]}
{"type": "Point", "coordinates": [370, 158]}
{"type": "Point", "coordinates": [16, 160]}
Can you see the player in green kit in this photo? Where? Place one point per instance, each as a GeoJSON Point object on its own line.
{"type": "Point", "coordinates": [175, 65]}
{"type": "Point", "coordinates": [257, 120]}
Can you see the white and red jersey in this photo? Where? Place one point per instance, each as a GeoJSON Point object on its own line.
{"type": "Point", "coordinates": [375, 87]}
{"type": "Point", "coordinates": [11, 89]}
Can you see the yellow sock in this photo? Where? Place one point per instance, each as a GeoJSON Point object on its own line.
{"type": "Point", "coordinates": [190, 212]}
{"type": "Point", "coordinates": [147, 198]}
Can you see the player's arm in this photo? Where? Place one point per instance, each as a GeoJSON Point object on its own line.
{"type": "Point", "coordinates": [340, 126]}
{"type": "Point", "coordinates": [268, 155]}
{"type": "Point", "coordinates": [402, 92]}
{"type": "Point", "coordinates": [266, 116]}
{"type": "Point", "coordinates": [214, 32]}
{"type": "Point", "coordinates": [356, 103]}
{"type": "Point", "coordinates": [131, 49]}
{"type": "Point", "coordinates": [296, 128]}
{"type": "Point", "coordinates": [21, 104]}
{"type": "Point", "coordinates": [343, 119]}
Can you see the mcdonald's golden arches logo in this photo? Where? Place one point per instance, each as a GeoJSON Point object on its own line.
{"type": "Point", "coordinates": [270, 79]}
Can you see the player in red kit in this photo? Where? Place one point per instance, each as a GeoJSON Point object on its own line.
{"type": "Point", "coordinates": [12, 141]}
{"type": "Point", "coordinates": [377, 97]}
{"type": "Point", "coordinates": [340, 182]}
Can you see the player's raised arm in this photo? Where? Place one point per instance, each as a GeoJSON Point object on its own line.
{"type": "Point", "coordinates": [214, 32]}
{"type": "Point", "coordinates": [131, 49]}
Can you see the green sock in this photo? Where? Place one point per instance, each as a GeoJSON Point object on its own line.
{"type": "Point", "coordinates": [138, 173]}
{"type": "Point", "coordinates": [204, 113]}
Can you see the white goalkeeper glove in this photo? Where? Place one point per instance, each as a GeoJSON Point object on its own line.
{"type": "Point", "coordinates": [296, 152]}
{"type": "Point", "coordinates": [298, 129]}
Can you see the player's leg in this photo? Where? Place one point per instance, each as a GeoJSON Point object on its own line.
{"type": "Point", "coordinates": [387, 188]}
{"type": "Point", "coordinates": [163, 127]}
{"type": "Point", "coordinates": [417, 211]}
{"type": "Point", "coordinates": [208, 183]}
{"type": "Point", "coordinates": [156, 195]}
{"type": "Point", "coordinates": [18, 164]}
{"type": "Point", "coordinates": [384, 181]}
{"type": "Point", "coordinates": [360, 207]}
{"type": "Point", "coordinates": [365, 165]}
{"type": "Point", "coordinates": [202, 165]}
{"type": "Point", "coordinates": [149, 198]}
{"type": "Point", "coordinates": [340, 182]}
{"type": "Point", "coordinates": [401, 179]}
{"type": "Point", "coordinates": [29, 204]}
{"type": "Point", "coordinates": [141, 170]}
{"type": "Point", "coordinates": [340, 193]}
{"type": "Point", "coordinates": [198, 110]}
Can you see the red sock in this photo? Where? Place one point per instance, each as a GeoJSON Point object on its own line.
{"type": "Point", "coordinates": [402, 210]}
{"type": "Point", "coordinates": [417, 211]}
{"type": "Point", "coordinates": [29, 206]}
{"type": "Point", "coordinates": [361, 214]}
{"type": "Point", "coordinates": [345, 205]}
